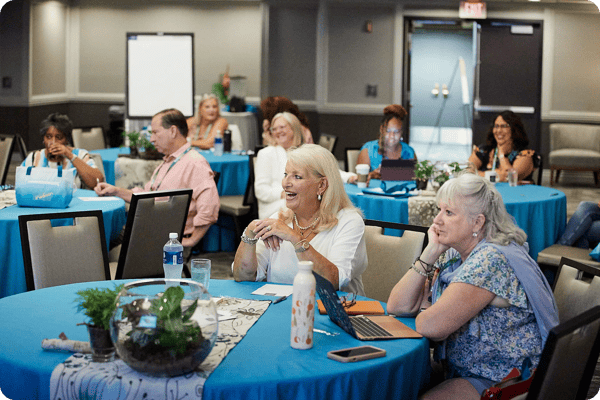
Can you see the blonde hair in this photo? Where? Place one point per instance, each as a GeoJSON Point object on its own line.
{"type": "Point", "coordinates": [476, 195]}
{"type": "Point", "coordinates": [320, 163]}
{"type": "Point", "coordinates": [206, 97]}
{"type": "Point", "coordinates": [294, 123]}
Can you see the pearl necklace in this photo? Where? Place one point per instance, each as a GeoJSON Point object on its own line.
{"type": "Point", "coordinates": [303, 228]}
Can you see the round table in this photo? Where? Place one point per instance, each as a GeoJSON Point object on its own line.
{"type": "Point", "coordinates": [261, 366]}
{"type": "Point", "coordinates": [539, 210]}
{"type": "Point", "coordinates": [12, 270]}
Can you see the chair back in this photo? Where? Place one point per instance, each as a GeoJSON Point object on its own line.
{"type": "Point", "coordinates": [249, 194]}
{"type": "Point", "coordinates": [89, 139]}
{"type": "Point", "coordinates": [540, 167]}
{"type": "Point", "coordinates": [351, 158]}
{"type": "Point", "coordinates": [577, 288]}
{"type": "Point", "coordinates": [236, 137]}
{"type": "Point", "coordinates": [568, 359]}
{"type": "Point", "coordinates": [151, 217]}
{"type": "Point", "coordinates": [389, 257]}
{"type": "Point", "coordinates": [61, 255]}
{"type": "Point", "coordinates": [328, 141]}
{"type": "Point", "coordinates": [22, 146]}
{"type": "Point", "coordinates": [7, 144]}
{"type": "Point", "coordinates": [99, 163]}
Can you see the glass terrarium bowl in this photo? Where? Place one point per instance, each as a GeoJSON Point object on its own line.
{"type": "Point", "coordinates": [161, 330]}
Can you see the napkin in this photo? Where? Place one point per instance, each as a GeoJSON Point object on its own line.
{"type": "Point", "coordinates": [394, 189]}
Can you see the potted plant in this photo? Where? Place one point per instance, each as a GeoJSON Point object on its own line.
{"type": "Point", "coordinates": [423, 172]}
{"type": "Point", "coordinates": [99, 305]}
{"type": "Point", "coordinates": [134, 140]}
{"type": "Point", "coordinates": [453, 168]}
{"type": "Point", "coordinates": [150, 152]}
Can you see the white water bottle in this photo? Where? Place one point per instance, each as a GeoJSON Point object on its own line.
{"type": "Point", "coordinates": [173, 257]}
{"type": "Point", "coordinates": [218, 144]}
{"type": "Point", "coordinates": [303, 307]}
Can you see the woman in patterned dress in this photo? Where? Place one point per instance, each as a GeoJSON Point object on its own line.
{"type": "Point", "coordinates": [491, 305]}
{"type": "Point", "coordinates": [506, 148]}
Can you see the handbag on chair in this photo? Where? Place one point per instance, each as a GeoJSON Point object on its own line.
{"type": "Point", "coordinates": [44, 187]}
{"type": "Point", "coordinates": [516, 383]}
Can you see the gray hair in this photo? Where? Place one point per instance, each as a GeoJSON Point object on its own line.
{"type": "Point", "coordinates": [476, 195]}
{"type": "Point", "coordinates": [60, 122]}
{"type": "Point", "coordinates": [294, 124]}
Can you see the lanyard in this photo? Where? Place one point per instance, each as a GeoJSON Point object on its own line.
{"type": "Point", "coordinates": [152, 188]}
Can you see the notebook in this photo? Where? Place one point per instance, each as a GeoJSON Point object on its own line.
{"type": "Point", "coordinates": [372, 327]}
{"type": "Point", "coordinates": [361, 307]}
{"type": "Point", "coordinates": [397, 170]}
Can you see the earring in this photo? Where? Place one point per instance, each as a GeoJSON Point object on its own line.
{"type": "Point", "coordinates": [319, 197]}
{"type": "Point", "coordinates": [474, 234]}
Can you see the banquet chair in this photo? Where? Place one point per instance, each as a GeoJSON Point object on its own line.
{"type": "Point", "coordinates": [551, 256]}
{"type": "Point", "coordinates": [89, 138]}
{"type": "Point", "coordinates": [390, 257]}
{"type": "Point", "coordinates": [151, 217]}
{"type": "Point", "coordinates": [328, 141]}
{"type": "Point", "coordinates": [241, 208]}
{"type": "Point", "coordinates": [7, 144]}
{"type": "Point", "coordinates": [350, 159]}
{"type": "Point", "coordinates": [99, 163]}
{"type": "Point", "coordinates": [576, 289]}
{"type": "Point", "coordinates": [540, 168]}
{"type": "Point", "coordinates": [236, 137]}
{"type": "Point", "coordinates": [61, 255]}
{"type": "Point", "coordinates": [568, 359]}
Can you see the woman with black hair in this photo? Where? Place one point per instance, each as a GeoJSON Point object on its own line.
{"type": "Point", "coordinates": [505, 149]}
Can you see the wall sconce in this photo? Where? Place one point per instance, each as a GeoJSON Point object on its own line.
{"type": "Point", "coordinates": [436, 90]}
{"type": "Point", "coordinates": [368, 26]}
{"type": "Point", "coordinates": [445, 91]}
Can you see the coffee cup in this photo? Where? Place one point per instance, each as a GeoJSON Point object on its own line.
{"type": "Point", "coordinates": [362, 170]}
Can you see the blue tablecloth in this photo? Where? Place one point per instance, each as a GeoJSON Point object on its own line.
{"type": "Point", "coordinates": [234, 170]}
{"type": "Point", "coordinates": [12, 270]}
{"type": "Point", "coordinates": [261, 366]}
{"type": "Point", "coordinates": [540, 211]}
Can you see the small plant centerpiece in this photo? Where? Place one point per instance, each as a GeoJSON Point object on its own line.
{"type": "Point", "coordinates": [99, 305]}
{"type": "Point", "coordinates": [134, 140]}
{"type": "Point", "coordinates": [423, 172]}
{"type": "Point", "coordinates": [164, 334]}
{"type": "Point", "coordinates": [453, 169]}
{"type": "Point", "coordinates": [139, 141]}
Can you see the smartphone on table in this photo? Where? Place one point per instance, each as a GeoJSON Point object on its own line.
{"type": "Point", "coordinates": [353, 354]}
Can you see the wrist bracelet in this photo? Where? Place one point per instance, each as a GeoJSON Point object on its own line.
{"type": "Point", "coordinates": [427, 267]}
{"type": "Point", "coordinates": [418, 271]}
{"type": "Point", "coordinates": [248, 240]}
{"type": "Point", "coordinates": [303, 247]}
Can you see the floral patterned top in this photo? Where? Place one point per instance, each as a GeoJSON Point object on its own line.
{"type": "Point", "coordinates": [498, 338]}
{"type": "Point", "coordinates": [485, 154]}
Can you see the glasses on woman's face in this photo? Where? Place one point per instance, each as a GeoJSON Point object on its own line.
{"type": "Point", "coordinates": [503, 126]}
{"type": "Point", "coordinates": [395, 132]}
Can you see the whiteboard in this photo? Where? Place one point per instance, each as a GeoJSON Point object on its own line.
{"type": "Point", "coordinates": [160, 73]}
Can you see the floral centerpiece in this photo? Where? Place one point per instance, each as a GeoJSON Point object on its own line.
{"type": "Point", "coordinates": [423, 172]}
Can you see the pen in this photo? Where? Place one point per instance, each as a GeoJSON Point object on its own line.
{"type": "Point", "coordinates": [97, 181]}
{"type": "Point", "coordinates": [280, 299]}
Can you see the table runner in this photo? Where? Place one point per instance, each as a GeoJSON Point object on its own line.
{"type": "Point", "coordinates": [8, 198]}
{"type": "Point", "coordinates": [78, 377]}
{"type": "Point", "coordinates": [422, 210]}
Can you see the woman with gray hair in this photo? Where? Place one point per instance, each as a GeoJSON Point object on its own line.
{"type": "Point", "coordinates": [56, 132]}
{"type": "Point", "coordinates": [203, 127]}
{"type": "Point", "coordinates": [491, 306]}
{"type": "Point", "coordinates": [286, 130]}
{"type": "Point", "coordinates": [320, 224]}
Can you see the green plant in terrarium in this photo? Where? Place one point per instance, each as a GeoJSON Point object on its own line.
{"type": "Point", "coordinates": [98, 304]}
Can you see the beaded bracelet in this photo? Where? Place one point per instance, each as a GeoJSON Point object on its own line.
{"type": "Point", "coordinates": [427, 267]}
{"type": "Point", "coordinates": [248, 240]}
{"type": "Point", "coordinates": [418, 271]}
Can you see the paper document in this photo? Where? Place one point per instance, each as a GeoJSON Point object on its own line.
{"type": "Point", "coordinates": [274, 290]}
{"type": "Point", "coordinates": [100, 198]}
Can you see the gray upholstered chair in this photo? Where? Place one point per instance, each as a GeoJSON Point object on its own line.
{"type": "Point", "coordinates": [328, 141]}
{"type": "Point", "coordinates": [351, 157]}
{"type": "Point", "coordinates": [151, 217]}
{"type": "Point", "coordinates": [61, 255]}
{"type": "Point", "coordinates": [551, 256]}
{"type": "Point", "coordinates": [574, 147]}
{"type": "Point", "coordinates": [89, 139]}
{"type": "Point", "coordinates": [7, 144]}
{"type": "Point", "coordinates": [576, 289]}
{"type": "Point", "coordinates": [389, 257]}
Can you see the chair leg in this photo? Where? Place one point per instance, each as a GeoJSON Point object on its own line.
{"type": "Point", "coordinates": [596, 177]}
{"type": "Point", "coordinates": [551, 176]}
{"type": "Point", "coordinates": [557, 175]}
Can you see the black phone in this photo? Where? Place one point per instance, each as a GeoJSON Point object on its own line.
{"type": "Point", "coordinates": [353, 354]}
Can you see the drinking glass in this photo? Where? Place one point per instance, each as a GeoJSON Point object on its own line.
{"type": "Point", "coordinates": [201, 271]}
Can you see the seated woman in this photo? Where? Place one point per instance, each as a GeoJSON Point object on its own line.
{"type": "Point", "coordinates": [320, 225]}
{"type": "Point", "coordinates": [270, 163]}
{"type": "Point", "coordinates": [389, 145]}
{"type": "Point", "coordinates": [583, 229]}
{"type": "Point", "coordinates": [272, 106]}
{"type": "Point", "coordinates": [203, 127]}
{"type": "Point", "coordinates": [56, 133]}
{"type": "Point", "coordinates": [505, 148]}
{"type": "Point", "coordinates": [491, 305]}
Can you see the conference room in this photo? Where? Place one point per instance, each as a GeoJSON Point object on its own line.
{"type": "Point", "coordinates": [349, 62]}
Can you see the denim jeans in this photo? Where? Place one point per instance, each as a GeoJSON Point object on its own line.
{"type": "Point", "coordinates": [583, 229]}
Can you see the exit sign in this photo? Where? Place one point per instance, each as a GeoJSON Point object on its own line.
{"type": "Point", "coordinates": [472, 10]}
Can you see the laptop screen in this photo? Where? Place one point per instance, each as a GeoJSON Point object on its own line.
{"type": "Point", "coordinates": [397, 170]}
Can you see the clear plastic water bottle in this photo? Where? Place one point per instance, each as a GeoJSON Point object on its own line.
{"type": "Point", "coordinates": [303, 307]}
{"type": "Point", "coordinates": [173, 258]}
{"type": "Point", "coordinates": [218, 144]}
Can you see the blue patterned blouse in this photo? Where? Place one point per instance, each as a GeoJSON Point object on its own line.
{"type": "Point", "coordinates": [498, 338]}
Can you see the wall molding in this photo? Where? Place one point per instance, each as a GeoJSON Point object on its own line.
{"type": "Point", "coordinates": [571, 116]}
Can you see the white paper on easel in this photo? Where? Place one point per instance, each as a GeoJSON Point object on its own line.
{"type": "Point", "coordinates": [274, 290]}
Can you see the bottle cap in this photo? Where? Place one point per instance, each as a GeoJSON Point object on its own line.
{"type": "Point", "coordinates": [305, 265]}
{"type": "Point", "coordinates": [173, 235]}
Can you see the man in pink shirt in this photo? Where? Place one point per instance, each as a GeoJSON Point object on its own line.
{"type": "Point", "coordinates": [182, 168]}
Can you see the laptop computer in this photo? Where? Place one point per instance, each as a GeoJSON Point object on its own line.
{"type": "Point", "coordinates": [362, 327]}
{"type": "Point", "coordinates": [397, 170]}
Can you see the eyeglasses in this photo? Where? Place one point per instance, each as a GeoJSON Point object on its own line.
{"type": "Point", "coordinates": [396, 132]}
{"type": "Point", "coordinates": [503, 126]}
{"type": "Point", "coordinates": [349, 300]}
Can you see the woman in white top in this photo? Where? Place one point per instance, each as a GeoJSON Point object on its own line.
{"type": "Point", "coordinates": [286, 130]}
{"type": "Point", "coordinates": [320, 224]}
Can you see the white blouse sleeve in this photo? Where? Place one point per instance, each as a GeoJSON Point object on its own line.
{"type": "Point", "coordinates": [348, 251]}
{"type": "Point", "coordinates": [266, 187]}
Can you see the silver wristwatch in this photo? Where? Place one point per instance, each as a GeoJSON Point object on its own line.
{"type": "Point", "coordinates": [304, 247]}
{"type": "Point", "coordinates": [248, 240]}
